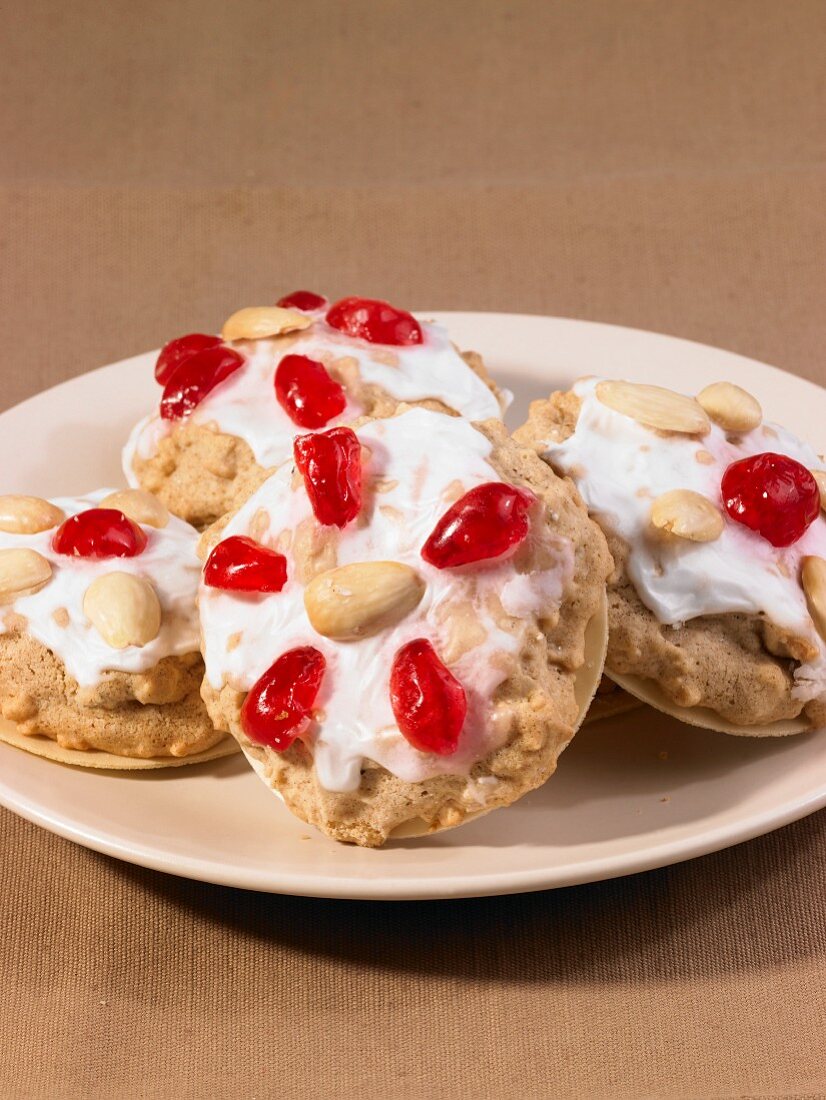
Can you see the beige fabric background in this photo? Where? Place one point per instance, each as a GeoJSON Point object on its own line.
{"type": "Point", "coordinates": [658, 164]}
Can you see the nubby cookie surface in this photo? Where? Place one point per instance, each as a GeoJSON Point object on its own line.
{"type": "Point", "coordinates": [714, 520]}
{"type": "Point", "coordinates": [98, 626]}
{"type": "Point", "coordinates": [231, 405]}
{"type": "Point", "coordinates": [432, 622]}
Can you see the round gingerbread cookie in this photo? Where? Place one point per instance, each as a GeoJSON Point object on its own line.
{"type": "Point", "coordinates": [713, 516]}
{"type": "Point", "coordinates": [231, 404]}
{"type": "Point", "coordinates": [99, 653]}
{"type": "Point", "coordinates": [402, 626]}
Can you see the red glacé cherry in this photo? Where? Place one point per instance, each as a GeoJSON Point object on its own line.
{"type": "Point", "coordinates": [428, 701]}
{"type": "Point", "coordinates": [99, 533]}
{"type": "Point", "coordinates": [330, 463]}
{"type": "Point", "coordinates": [239, 564]}
{"type": "Point", "coordinates": [307, 393]}
{"type": "Point", "coordinates": [773, 495]}
{"type": "Point", "coordinates": [375, 321]}
{"type": "Point", "coordinates": [194, 379]}
{"type": "Point", "coordinates": [178, 351]}
{"type": "Point", "coordinates": [280, 702]}
{"type": "Point", "coordinates": [485, 523]}
{"type": "Point", "coordinates": [305, 300]}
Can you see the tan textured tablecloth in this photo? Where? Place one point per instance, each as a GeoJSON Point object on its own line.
{"type": "Point", "coordinates": [652, 164]}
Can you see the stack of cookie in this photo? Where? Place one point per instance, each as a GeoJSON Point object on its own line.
{"type": "Point", "coordinates": [333, 555]}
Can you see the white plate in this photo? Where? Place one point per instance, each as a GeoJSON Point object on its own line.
{"type": "Point", "coordinates": [636, 792]}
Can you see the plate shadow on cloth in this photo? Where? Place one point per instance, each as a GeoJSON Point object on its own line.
{"type": "Point", "coordinates": [610, 931]}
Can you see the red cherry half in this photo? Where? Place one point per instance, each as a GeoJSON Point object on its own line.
{"type": "Point", "coordinates": [99, 533]}
{"type": "Point", "coordinates": [428, 701]}
{"type": "Point", "coordinates": [239, 564]}
{"type": "Point", "coordinates": [195, 378]}
{"type": "Point", "coordinates": [330, 463]}
{"type": "Point", "coordinates": [178, 351]}
{"type": "Point", "coordinates": [305, 300]}
{"type": "Point", "coordinates": [279, 704]}
{"type": "Point", "coordinates": [773, 495]}
{"type": "Point", "coordinates": [307, 393]}
{"type": "Point", "coordinates": [375, 321]}
{"type": "Point", "coordinates": [485, 523]}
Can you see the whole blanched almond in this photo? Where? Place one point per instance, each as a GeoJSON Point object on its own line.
{"type": "Point", "coordinates": [687, 515]}
{"type": "Point", "coordinates": [354, 601]}
{"type": "Point", "coordinates": [730, 406]}
{"type": "Point", "coordinates": [138, 505]}
{"type": "Point", "coordinates": [813, 579]}
{"type": "Point", "coordinates": [820, 478]}
{"type": "Point", "coordinates": [22, 572]}
{"type": "Point", "coordinates": [259, 322]}
{"type": "Point", "coordinates": [655, 407]}
{"type": "Point", "coordinates": [124, 609]}
{"type": "Point", "coordinates": [21, 515]}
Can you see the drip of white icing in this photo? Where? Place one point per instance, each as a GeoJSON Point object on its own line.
{"type": "Point", "coordinates": [620, 466]}
{"type": "Point", "coordinates": [478, 792]}
{"type": "Point", "coordinates": [245, 405]}
{"type": "Point", "coordinates": [169, 563]}
{"type": "Point", "coordinates": [424, 460]}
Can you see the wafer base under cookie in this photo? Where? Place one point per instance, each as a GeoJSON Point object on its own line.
{"type": "Point", "coordinates": [94, 758]}
{"type": "Point", "coordinates": [647, 691]}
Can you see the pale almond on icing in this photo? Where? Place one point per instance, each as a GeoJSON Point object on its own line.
{"type": "Point", "coordinates": [730, 406]}
{"type": "Point", "coordinates": [813, 579]}
{"type": "Point", "coordinates": [261, 322]}
{"type": "Point", "coordinates": [138, 505]}
{"type": "Point", "coordinates": [820, 478]}
{"type": "Point", "coordinates": [687, 515]}
{"type": "Point", "coordinates": [22, 573]}
{"type": "Point", "coordinates": [354, 601]}
{"type": "Point", "coordinates": [22, 515]}
{"type": "Point", "coordinates": [654, 407]}
{"type": "Point", "coordinates": [124, 609]}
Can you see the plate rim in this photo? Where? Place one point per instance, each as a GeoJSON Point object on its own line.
{"type": "Point", "coordinates": [660, 853]}
{"type": "Point", "coordinates": [663, 854]}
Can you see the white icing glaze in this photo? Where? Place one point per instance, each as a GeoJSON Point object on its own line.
{"type": "Point", "coordinates": [620, 466]}
{"type": "Point", "coordinates": [169, 562]}
{"type": "Point", "coordinates": [479, 792]}
{"type": "Point", "coordinates": [245, 405]}
{"type": "Point", "coordinates": [425, 460]}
